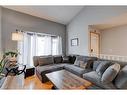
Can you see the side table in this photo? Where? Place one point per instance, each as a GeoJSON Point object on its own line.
{"type": "Point", "coordinates": [15, 69]}
{"type": "Point", "coordinates": [11, 70]}
{"type": "Point", "coordinates": [30, 70]}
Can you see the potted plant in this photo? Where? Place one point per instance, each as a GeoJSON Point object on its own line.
{"type": "Point", "coordinates": [12, 56]}
{"type": "Point", "coordinates": [3, 61]}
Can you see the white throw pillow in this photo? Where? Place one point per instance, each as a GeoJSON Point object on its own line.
{"type": "Point", "coordinates": [110, 73]}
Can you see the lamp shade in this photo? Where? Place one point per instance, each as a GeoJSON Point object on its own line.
{"type": "Point", "coordinates": [17, 36]}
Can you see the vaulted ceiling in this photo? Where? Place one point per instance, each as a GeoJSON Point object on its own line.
{"type": "Point", "coordinates": [59, 14]}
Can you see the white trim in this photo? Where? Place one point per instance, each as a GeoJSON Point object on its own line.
{"type": "Point", "coordinates": [110, 57]}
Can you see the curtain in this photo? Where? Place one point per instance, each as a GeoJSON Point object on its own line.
{"type": "Point", "coordinates": [59, 46]}
{"type": "Point", "coordinates": [44, 45]}
{"type": "Point", "coordinates": [38, 45]}
{"type": "Point", "coordinates": [27, 49]}
{"type": "Point", "coordinates": [56, 46]}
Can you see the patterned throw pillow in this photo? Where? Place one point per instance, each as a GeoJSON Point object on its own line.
{"type": "Point", "coordinates": [45, 60]}
{"type": "Point", "coordinates": [82, 64]}
{"type": "Point", "coordinates": [57, 59]}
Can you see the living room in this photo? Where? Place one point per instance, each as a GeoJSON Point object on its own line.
{"type": "Point", "coordinates": [83, 36]}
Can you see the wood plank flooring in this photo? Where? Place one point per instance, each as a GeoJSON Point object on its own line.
{"type": "Point", "coordinates": [33, 83]}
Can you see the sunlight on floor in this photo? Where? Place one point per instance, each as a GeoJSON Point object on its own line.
{"type": "Point", "coordinates": [34, 83]}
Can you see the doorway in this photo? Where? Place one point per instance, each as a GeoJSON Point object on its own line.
{"type": "Point", "coordinates": [94, 44]}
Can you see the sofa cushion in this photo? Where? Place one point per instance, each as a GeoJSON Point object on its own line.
{"type": "Point", "coordinates": [82, 64]}
{"type": "Point", "coordinates": [96, 79]}
{"type": "Point", "coordinates": [122, 63]}
{"type": "Point", "coordinates": [85, 59]}
{"type": "Point", "coordinates": [89, 64]}
{"type": "Point", "coordinates": [121, 79]}
{"type": "Point", "coordinates": [110, 73]}
{"type": "Point", "coordinates": [62, 65]}
{"type": "Point", "coordinates": [54, 67]}
{"type": "Point", "coordinates": [109, 85]}
{"type": "Point", "coordinates": [102, 67]}
{"type": "Point", "coordinates": [35, 60]}
{"type": "Point", "coordinates": [90, 61]}
{"type": "Point", "coordinates": [95, 65]}
{"type": "Point", "coordinates": [75, 69]}
{"type": "Point", "coordinates": [92, 76]}
{"type": "Point", "coordinates": [72, 58]}
{"type": "Point", "coordinates": [76, 63]}
{"type": "Point", "coordinates": [65, 59]}
{"type": "Point", "coordinates": [78, 59]}
{"type": "Point", "coordinates": [45, 60]}
{"type": "Point", "coordinates": [57, 59]}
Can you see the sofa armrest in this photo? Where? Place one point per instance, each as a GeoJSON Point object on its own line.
{"type": "Point", "coordinates": [35, 61]}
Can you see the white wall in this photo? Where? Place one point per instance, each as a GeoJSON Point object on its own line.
{"type": "Point", "coordinates": [114, 41]}
{"type": "Point", "coordinates": [78, 27]}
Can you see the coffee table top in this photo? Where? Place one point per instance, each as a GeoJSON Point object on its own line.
{"type": "Point", "coordinates": [66, 80]}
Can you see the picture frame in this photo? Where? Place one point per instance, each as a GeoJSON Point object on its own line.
{"type": "Point", "coordinates": [74, 42]}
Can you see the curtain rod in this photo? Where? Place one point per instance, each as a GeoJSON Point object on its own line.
{"type": "Point", "coordinates": [43, 34]}
{"type": "Point", "coordinates": [40, 34]}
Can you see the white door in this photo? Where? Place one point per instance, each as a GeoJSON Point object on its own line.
{"type": "Point", "coordinates": [94, 43]}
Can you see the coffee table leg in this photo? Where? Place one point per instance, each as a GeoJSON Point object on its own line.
{"type": "Point", "coordinates": [53, 87]}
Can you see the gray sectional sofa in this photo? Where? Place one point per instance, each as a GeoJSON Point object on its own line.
{"type": "Point", "coordinates": [104, 74]}
{"type": "Point", "coordinates": [47, 64]}
{"type": "Point", "coordinates": [119, 81]}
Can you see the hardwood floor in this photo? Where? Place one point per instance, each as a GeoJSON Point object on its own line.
{"type": "Point", "coordinates": [34, 83]}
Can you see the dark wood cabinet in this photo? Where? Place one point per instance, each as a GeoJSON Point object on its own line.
{"type": "Point", "coordinates": [29, 71]}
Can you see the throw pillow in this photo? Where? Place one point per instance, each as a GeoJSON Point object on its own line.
{"type": "Point", "coordinates": [72, 59]}
{"type": "Point", "coordinates": [66, 59]}
{"type": "Point", "coordinates": [82, 64]}
{"type": "Point", "coordinates": [76, 63]}
{"type": "Point", "coordinates": [45, 60]}
{"type": "Point", "coordinates": [57, 59]}
{"type": "Point", "coordinates": [95, 65]}
{"type": "Point", "coordinates": [89, 62]}
{"type": "Point", "coordinates": [102, 67]}
{"type": "Point", "coordinates": [110, 73]}
{"type": "Point", "coordinates": [121, 79]}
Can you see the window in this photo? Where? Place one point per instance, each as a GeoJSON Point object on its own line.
{"type": "Point", "coordinates": [44, 45]}
{"type": "Point", "coordinates": [55, 46]}
{"type": "Point", "coordinates": [35, 44]}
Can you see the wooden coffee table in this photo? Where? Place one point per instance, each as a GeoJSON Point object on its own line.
{"type": "Point", "coordinates": [66, 80]}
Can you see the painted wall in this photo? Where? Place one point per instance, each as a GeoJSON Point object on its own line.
{"type": "Point", "coordinates": [12, 20]}
{"type": "Point", "coordinates": [78, 27]}
{"type": "Point", "coordinates": [113, 41]}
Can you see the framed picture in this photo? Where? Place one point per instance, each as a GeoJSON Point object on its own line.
{"type": "Point", "coordinates": [74, 42]}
